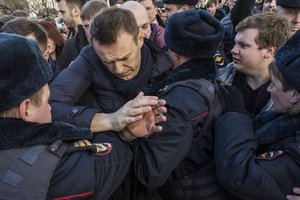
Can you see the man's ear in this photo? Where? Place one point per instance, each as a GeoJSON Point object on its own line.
{"type": "Point", "coordinates": [270, 53]}
{"type": "Point", "coordinates": [24, 111]}
{"type": "Point", "coordinates": [295, 97]}
{"type": "Point", "coordinates": [46, 54]}
{"type": "Point", "coordinates": [76, 11]}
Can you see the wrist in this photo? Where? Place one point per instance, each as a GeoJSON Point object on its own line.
{"type": "Point", "coordinates": [126, 135]}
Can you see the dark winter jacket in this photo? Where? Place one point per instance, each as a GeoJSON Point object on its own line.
{"type": "Point", "coordinates": [165, 158]}
{"type": "Point", "coordinates": [72, 48]}
{"type": "Point", "coordinates": [83, 171]}
{"type": "Point", "coordinates": [87, 74]}
{"type": "Point", "coordinates": [258, 164]}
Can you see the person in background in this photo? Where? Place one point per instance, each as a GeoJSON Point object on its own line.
{"type": "Point", "coordinates": [175, 6]}
{"type": "Point", "coordinates": [55, 44]}
{"type": "Point", "coordinates": [269, 6]}
{"type": "Point", "coordinates": [150, 31]}
{"type": "Point", "coordinates": [69, 12]}
{"type": "Point", "coordinates": [151, 7]}
{"type": "Point", "coordinates": [290, 9]}
{"type": "Point", "coordinates": [29, 29]}
{"type": "Point", "coordinates": [88, 11]}
{"type": "Point", "coordinates": [257, 39]}
{"type": "Point", "coordinates": [161, 11]}
{"type": "Point", "coordinates": [212, 8]}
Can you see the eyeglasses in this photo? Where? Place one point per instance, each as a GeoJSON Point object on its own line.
{"type": "Point", "coordinates": [161, 10]}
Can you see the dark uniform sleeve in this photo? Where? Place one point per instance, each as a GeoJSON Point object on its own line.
{"type": "Point", "coordinates": [244, 174]}
{"type": "Point", "coordinates": [66, 89]}
{"type": "Point", "coordinates": [111, 168]}
{"type": "Point", "coordinates": [157, 156]}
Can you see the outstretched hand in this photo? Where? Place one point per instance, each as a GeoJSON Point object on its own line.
{"type": "Point", "coordinates": [134, 110]}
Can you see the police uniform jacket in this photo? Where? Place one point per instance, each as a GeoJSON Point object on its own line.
{"type": "Point", "coordinates": [106, 92]}
{"type": "Point", "coordinates": [84, 170]}
{"type": "Point", "coordinates": [258, 163]}
{"type": "Point", "coordinates": [171, 154]}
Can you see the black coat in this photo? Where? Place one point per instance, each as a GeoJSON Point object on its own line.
{"type": "Point", "coordinates": [171, 155]}
{"type": "Point", "coordinates": [261, 164]}
{"type": "Point", "coordinates": [72, 48]}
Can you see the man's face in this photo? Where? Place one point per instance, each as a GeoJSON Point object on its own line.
{"type": "Point", "coordinates": [171, 9]}
{"type": "Point", "coordinates": [143, 22]}
{"type": "Point", "coordinates": [293, 16]}
{"type": "Point", "coordinates": [122, 58]}
{"type": "Point", "coordinates": [65, 13]}
{"type": "Point", "coordinates": [281, 99]}
{"type": "Point", "coordinates": [248, 58]}
{"type": "Point", "coordinates": [212, 9]}
{"type": "Point", "coordinates": [269, 6]}
{"type": "Point", "coordinates": [86, 25]}
{"type": "Point", "coordinates": [42, 113]}
{"type": "Point", "coordinates": [151, 10]}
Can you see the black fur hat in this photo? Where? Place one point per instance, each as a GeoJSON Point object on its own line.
{"type": "Point", "coordinates": [194, 33]}
{"type": "Point", "coordinates": [289, 4]}
{"type": "Point", "coordinates": [23, 70]}
{"type": "Point", "coordinates": [181, 2]}
{"type": "Point", "coordinates": [288, 60]}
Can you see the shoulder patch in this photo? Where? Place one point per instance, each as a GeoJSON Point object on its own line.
{"type": "Point", "coordinates": [219, 60]}
{"type": "Point", "coordinates": [270, 155]}
{"type": "Point", "coordinates": [103, 149]}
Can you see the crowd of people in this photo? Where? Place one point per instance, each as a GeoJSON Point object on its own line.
{"type": "Point", "coordinates": [151, 99]}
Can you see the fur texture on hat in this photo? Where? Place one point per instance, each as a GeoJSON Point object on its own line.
{"type": "Point", "coordinates": [194, 33]}
{"type": "Point", "coordinates": [23, 70]}
{"type": "Point", "coordinates": [289, 4]}
{"type": "Point", "coordinates": [181, 2]}
{"type": "Point", "coordinates": [288, 60]}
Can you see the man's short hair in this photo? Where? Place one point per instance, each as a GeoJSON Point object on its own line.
{"type": "Point", "coordinates": [108, 24]}
{"type": "Point", "coordinates": [72, 3]}
{"type": "Point", "coordinates": [23, 26]}
{"type": "Point", "coordinates": [210, 2]}
{"type": "Point", "coordinates": [91, 8]}
{"type": "Point", "coordinates": [35, 99]}
{"type": "Point", "coordinates": [273, 30]}
{"type": "Point", "coordinates": [20, 13]}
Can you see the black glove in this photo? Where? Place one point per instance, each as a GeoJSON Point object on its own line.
{"type": "Point", "coordinates": [233, 99]}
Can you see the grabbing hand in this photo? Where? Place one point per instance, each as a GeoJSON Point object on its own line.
{"type": "Point", "coordinates": [233, 99]}
{"type": "Point", "coordinates": [148, 124]}
{"type": "Point", "coordinates": [133, 111]}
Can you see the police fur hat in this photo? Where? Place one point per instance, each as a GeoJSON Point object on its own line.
{"type": "Point", "coordinates": [23, 70]}
{"type": "Point", "coordinates": [181, 2]}
{"type": "Point", "coordinates": [289, 4]}
{"type": "Point", "coordinates": [194, 33]}
{"type": "Point", "coordinates": [288, 60]}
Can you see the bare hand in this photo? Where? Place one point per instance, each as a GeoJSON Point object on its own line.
{"type": "Point", "coordinates": [132, 111]}
{"type": "Point", "coordinates": [296, 190]}
{"type": "Point", "coordinates": [149, 122]}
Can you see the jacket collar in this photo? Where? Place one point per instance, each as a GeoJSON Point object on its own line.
{"type": "Point", "coordinates": [16, 133]}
